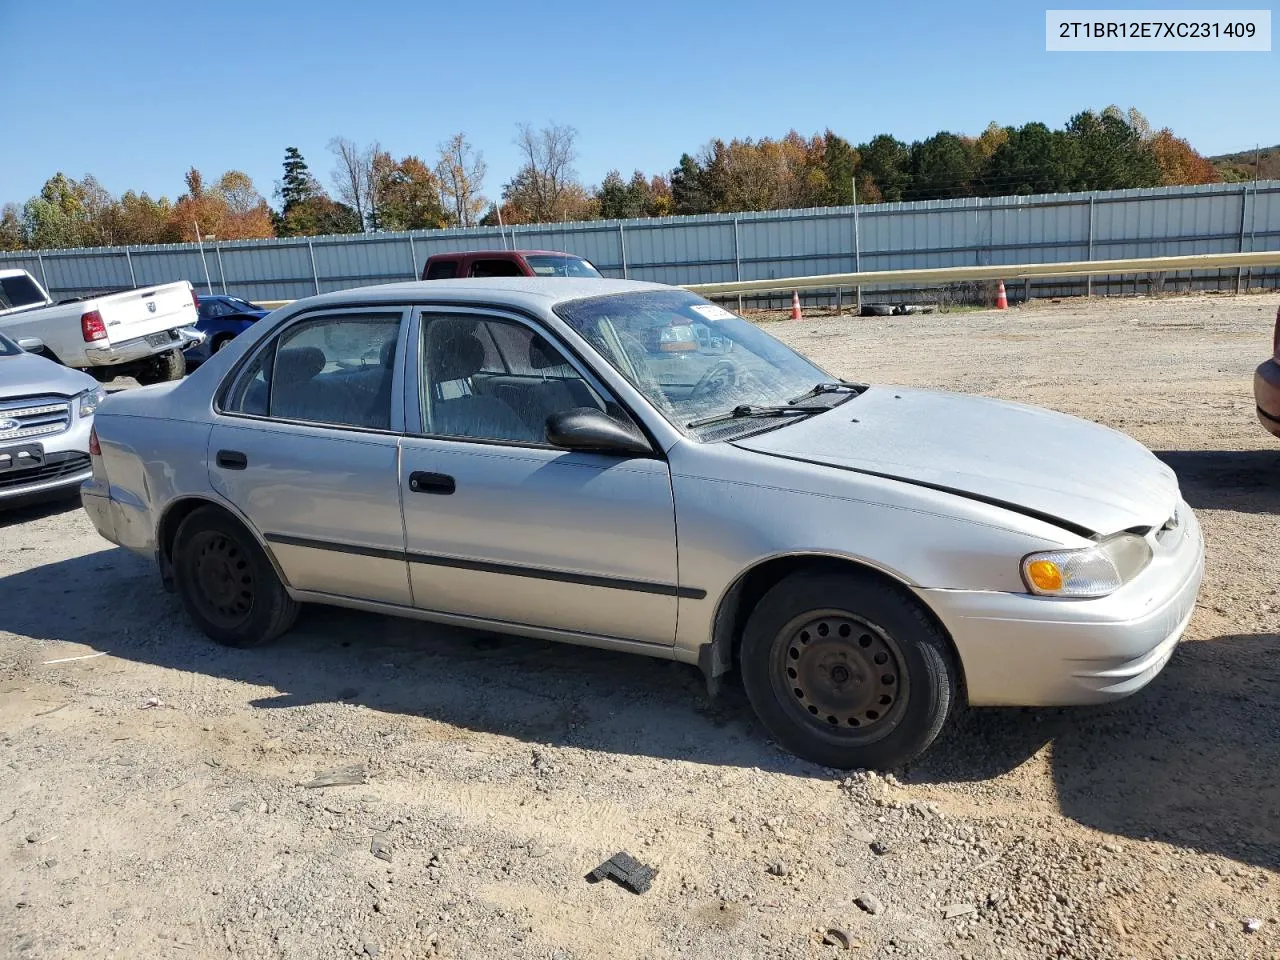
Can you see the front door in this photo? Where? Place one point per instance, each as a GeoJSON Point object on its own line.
{"type": "Point", "coordinates": [307, 449]}
{"type": "Point", "coordinates": [503, 527]}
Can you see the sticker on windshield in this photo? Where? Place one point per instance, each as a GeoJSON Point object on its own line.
{"type": "Point", "coordinates": [709, 311]}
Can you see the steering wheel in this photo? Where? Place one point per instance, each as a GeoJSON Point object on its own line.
{"type": "Point", "coordinates": [721, 374]}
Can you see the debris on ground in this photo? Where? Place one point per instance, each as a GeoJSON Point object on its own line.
{"type": "Point", "coordinates": [953, 910]}
{"type": "Point", "coordinates": [1252, 925]}
{"type": "Point", "coordinates": [151, 702]}
{"type": "Point", "coordinates": [870, 903]}
{"type": "Point", "coordinates": [351, 776]}
{"type": "Point", "coordinates": [379, 847]}
{"type": "Point", "coordinates": [626, 871]}
{"type": "Point", "coordinates": [836, 937]}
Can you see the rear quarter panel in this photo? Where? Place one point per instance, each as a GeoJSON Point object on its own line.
{"type": "Point", "coordinates": [149, 462]}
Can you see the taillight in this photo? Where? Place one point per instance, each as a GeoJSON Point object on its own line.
{"type": "Point", "coordinates": [1275, 338]}
{"type": "Point", "coordinates": [195, 299]}
{"type": "Point", "coordinates": [92, 327]}
{"type": "Point", "coordinates": [95, 450]}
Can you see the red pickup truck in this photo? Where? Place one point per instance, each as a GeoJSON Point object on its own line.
{"type": "Point", "coordinates": [506, 263]}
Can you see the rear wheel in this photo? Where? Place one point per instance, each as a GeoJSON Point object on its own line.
{"type": "Point", "coordinates": [170, 365]}
{"type": "Point", "coordinates": [219, 342]}
{"type": "Point", "coordinates": [846, 671]}
{"type": "Point", "coordinates": [226, 582]}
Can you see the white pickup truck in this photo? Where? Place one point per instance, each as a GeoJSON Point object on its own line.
{"type": "Point", "coordinates": [135, 333]}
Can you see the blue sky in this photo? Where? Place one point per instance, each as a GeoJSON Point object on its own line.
{"type": "Point", "coordinates": [135, 92]}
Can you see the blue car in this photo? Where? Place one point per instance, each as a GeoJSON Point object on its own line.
{"type": "Point", "coordinates": [220, 320]}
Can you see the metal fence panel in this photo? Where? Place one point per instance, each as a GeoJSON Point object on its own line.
{"type": "Point", "coordinates": [721, 247]}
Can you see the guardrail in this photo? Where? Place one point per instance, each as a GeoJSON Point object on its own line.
{"type": "Point", "coordinates": [995, 271]}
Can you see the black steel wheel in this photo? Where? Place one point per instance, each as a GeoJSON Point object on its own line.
{"type": "Point", "coordinates": [847, 670]}
{"type": "Point", "coordinates": [840, 673]}
{"type": "Point", "coordinates": [227, 584]}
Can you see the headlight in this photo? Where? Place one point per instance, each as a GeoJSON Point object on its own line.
{"type": "Point", "coordinates": [90, 400]}
{"type": "Point", "coordinates": [1088, 572]}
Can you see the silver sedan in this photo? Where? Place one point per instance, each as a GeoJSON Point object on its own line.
{"type": "Point", "coordinates": [625, 465]}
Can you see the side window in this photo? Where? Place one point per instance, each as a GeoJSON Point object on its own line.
{"type": "Point", "coordinates": [333, 370]}
{"type": "Point", "coordinates": [496, 268]}
{"type": "Point", "coordinates": [496, 380]}
{"type": "Point", "coordinates": [442, 270]}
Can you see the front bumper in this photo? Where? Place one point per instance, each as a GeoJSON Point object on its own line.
{"type": "Point", "coordinates": [1266, 394]}
{"type": "Point", "coordinates": [1023, 650]}
{"type": "Point", "coordinates": [65, 465]}
{"type": "Point", "coordinates": [139, 348]}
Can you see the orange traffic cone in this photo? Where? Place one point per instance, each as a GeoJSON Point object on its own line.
{"type": "Point", "coordinates": [795, 306]}
{"type": "Point", "coordinates": [1002, 302]}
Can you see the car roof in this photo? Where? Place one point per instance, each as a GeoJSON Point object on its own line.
{"type": "Point", "coordinates": [503, 253]}
{"type": "Point", "coordinates": [515, 291]}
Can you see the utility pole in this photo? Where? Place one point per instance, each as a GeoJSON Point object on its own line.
{"type": "Point", "coordinates": [1257, 161]}
{"type": "Point", "coordinates": [208, 284]}
{"type": "Point", "coordinates": [857, 252]}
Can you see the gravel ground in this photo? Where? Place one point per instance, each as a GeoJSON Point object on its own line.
{"type": "Point", "coordinates": [153, 800]}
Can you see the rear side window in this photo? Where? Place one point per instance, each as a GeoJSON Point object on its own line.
{"type": "Point", "coordinates": [442, 270]}
{"type": "Point", "coordinates": [496, 268]}
{"type": "Point", "coordinates": [334, 370]}
{"type": "Point", "coordinates": [19, 291]}
{"type": "Point", "coordinates": [549, 266]}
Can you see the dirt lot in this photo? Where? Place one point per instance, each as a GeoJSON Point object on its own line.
{"type": "Point", "coordinates": [151, 799]}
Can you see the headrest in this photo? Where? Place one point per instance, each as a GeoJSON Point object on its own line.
{"type": "Point", "coordinates": [542, 355]}
{"type": "Point", "coordinates": [298, 364]}
{"type": "Point", "coordinates": [455, 355]}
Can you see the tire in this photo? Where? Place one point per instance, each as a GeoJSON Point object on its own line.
{"type": "Point", "coordinates": [226, 582]}
{"type": "Point", "coordinates": [170, 365]}
{"type": "Point", "coordinates": [894, 683]}
{"type": "Point", "coordinates": [219, 342]}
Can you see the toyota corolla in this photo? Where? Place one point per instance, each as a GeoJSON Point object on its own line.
{"type": "Point", "coordinates": [626, 465]}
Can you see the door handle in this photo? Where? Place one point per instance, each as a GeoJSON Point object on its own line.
{"type": "Point", "coordinates": [420, 482]}
{"type": "Point", "coordinates": [231, 460]}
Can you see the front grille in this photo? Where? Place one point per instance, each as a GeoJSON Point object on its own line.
{"type": "Point", "coordinates": [35, 417]}
{"type": "Point", "coordinates": [55, 466]}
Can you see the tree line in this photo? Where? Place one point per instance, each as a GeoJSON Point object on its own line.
{"type": "Point", "coordinates": [373, 191]}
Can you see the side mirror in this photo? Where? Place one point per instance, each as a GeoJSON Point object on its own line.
{"type": "Point", "coordinates": [31, 344]}
{"type": "Point", "coordinates": [589, 429]}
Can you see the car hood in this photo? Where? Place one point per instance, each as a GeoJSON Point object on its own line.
{"type": "Point", "coordinates": [28, 375]}
{"type": "Point", "coordinates": [1034, 461]}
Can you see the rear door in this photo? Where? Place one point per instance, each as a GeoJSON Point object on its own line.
{"type": "Point", "coordinates": [306, 446]}
{"type": "Point", "coordinates": [150, 310]}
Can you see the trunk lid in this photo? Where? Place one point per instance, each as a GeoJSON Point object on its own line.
{"type": "Point", "coordinates": [136, 313]}
{"type": "Point", "coordinates": [1034, 460]}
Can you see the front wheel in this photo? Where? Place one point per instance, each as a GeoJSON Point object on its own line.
{"type": "Point", "coordinates": [226, 582]}
{"type": "Point", "coordinates": [847, 672]}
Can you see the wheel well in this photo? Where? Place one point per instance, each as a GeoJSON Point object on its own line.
{"type": "Point", "coordinates": [721, 655]}
{"type": "Point", "coordinates": [168, 531]}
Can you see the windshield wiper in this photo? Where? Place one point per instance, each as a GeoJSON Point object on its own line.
{"type": "Point", "coordinates": [833, 386]}
{"type": "Point", "coordinates": [748, 410]}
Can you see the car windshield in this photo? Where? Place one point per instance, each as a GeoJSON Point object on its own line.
{"type": "Point", "coordinates": [690, 358]}
{"type": "Point", "coordinates": [550, 266]}
{"type": "Point", "coordinates": [8, 348]}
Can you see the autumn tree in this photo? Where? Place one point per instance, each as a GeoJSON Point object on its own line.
{"type": "Point", "coordinates": [140, 219]}
{"type": "Point", "coordinates": [12, 235]}
{"type": "Point", "coordinates": [640, 196]}
{"type": "Point", "coordinates": [408, 196]}
{"type": "Point", "coordinates": [1178, 162]}
{"type": "Point", "coordinates": [546, 188]}
{"type": "Point", "coordinates": [460, 172]}
{"type": "Point", "coordinates": [358, 175]}
{"type": "Point", "coordinates": [69, 213]}
{"type": "Point", "coordinates": [231, 209]}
